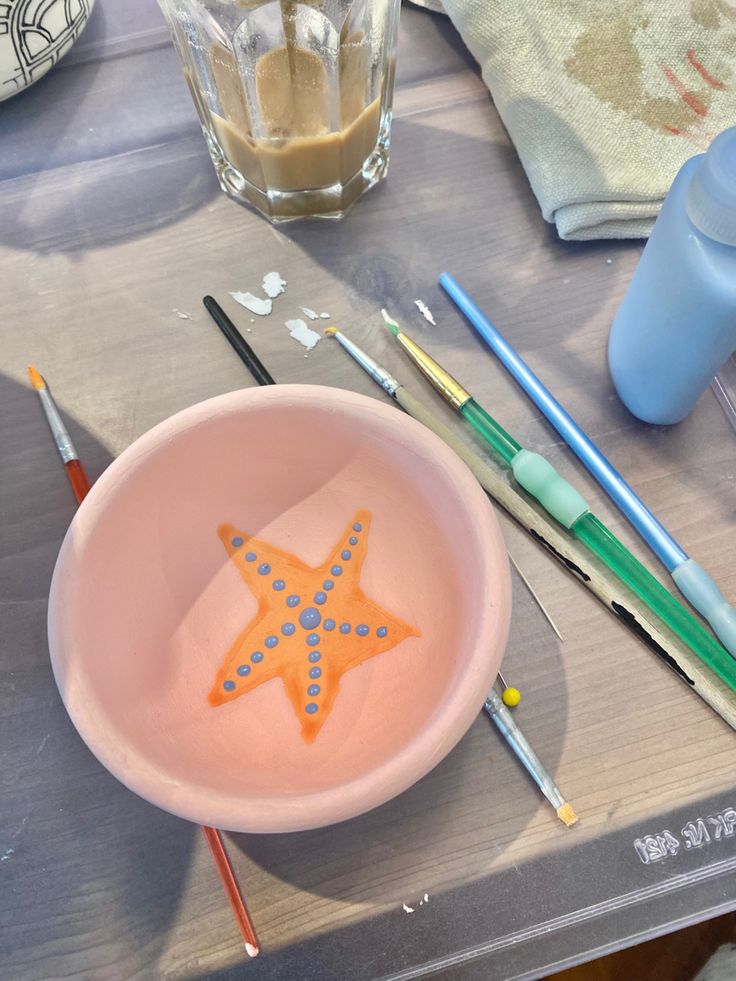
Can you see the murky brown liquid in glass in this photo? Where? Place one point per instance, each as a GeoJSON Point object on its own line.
{"type": "Point", "coordinates": [312, 133]}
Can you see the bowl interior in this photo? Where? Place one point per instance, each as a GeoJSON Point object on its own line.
{"type": "Point", "coordinates": [148, 597]}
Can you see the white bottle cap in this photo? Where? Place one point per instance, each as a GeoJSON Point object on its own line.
{"type": "Point", "coordinates": [710, 200]}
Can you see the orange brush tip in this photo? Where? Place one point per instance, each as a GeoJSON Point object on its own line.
{"type": "Point", "coordinates": [36, 378]}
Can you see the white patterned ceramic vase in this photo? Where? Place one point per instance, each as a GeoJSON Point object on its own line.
{"type": "Point", "coordinates": [34, 34]}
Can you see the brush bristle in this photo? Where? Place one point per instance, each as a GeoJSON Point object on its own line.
{"type": "Point", "coordinates": [36, 378]}
{"type": "Point", "coordinates": [390, 323]}
{"type": "Point", "coordinates": [566, 814]}
{"type": "Point", "coordinates": [330, 331]}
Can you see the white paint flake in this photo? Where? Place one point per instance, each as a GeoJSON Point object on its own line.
{"type": "Point", "coordinates": [255, 304]}
{"type": "Point", "coordinates": [305, 335]}
{"type": "Point", "coordinates": [180, 314]}
{"type": "Point", "coordinates": [325, 316]}
{"type": "Point", "coordinates": [308, 312]}
{"type": "Point", "coordinates": [407, 909]}
{"type": "Point", "coordinates": [426, 897]}
{"type": "Point", "coordinates": [425, 312]}
{"type": "Point", "coordinates": [273, 284]}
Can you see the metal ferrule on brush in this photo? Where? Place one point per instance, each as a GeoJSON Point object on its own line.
{"type": "Point", "coordinates": [58, 430]}
{"type": "Point", "coordinates": [379, 374]}
{"type": "Point", "coordinates": [449, 388]}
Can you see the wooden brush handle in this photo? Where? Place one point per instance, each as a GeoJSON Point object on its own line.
{"type": "Point", "coordinates": [78, 479]}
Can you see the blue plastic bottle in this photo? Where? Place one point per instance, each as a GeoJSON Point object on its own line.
{"type": "Point", "coordinates": [677, 323]}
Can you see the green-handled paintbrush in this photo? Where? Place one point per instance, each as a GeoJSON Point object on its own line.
{"type": "Point", "coordinates": [560, 499]}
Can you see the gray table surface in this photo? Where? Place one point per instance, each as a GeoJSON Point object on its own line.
{"type": "Point", "coordinates": [111, 221]}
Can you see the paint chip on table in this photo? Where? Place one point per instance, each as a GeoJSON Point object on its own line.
{"type": "Point", "coordinates": [308, 312]}
{"type": "Point", "coordinates": [253, 303]}
{"type": "Point", "coordinates": [407, 909]}
{"type": "Point", "coordinates": [425, 312]}
{"type": "Point", "coordinates": [273, 284]}
{"type": "Point", "coordinates": [325, 316]}
{"type": "Point", "coordinates": [180, 314]}
{"type": "Point", "coordinates": [305, 335]}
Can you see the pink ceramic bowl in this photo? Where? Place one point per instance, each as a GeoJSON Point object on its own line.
{"type": "Point", "coordinates": [279, 608]}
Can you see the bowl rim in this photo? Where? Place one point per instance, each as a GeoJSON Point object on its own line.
{"type": "Point", "coordinates": [271, 814]}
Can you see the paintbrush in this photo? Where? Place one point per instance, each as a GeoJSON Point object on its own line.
{"type": "Point", "coordinates": [560, 499]}
{"type": "Point", "coordinates": [667, 646]}
{"type": "Point", "coordinates": [80, 485]}
{"type": "Point", "coordinates": [69, 456]}
{"type": "Point", "coordinates": [520, 746]}
{"type": "Point", "coordinates": [230, 884]}
{"type": "Point", "coordinates": [237, 342]}
{"type": "Point", "coordinates": [690, 578]}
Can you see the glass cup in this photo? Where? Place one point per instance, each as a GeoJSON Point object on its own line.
{"type": "Point", "coordinates": [294, 97]}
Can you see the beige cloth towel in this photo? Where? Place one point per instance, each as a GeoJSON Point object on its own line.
{"type": "Point", "coordinates": [605, 99]}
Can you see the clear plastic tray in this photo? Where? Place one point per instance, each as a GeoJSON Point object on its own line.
{"type": "Point", "coordinates": [724, 386]}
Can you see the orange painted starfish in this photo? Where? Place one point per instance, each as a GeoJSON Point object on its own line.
{"type": "Point", "coordinates": [312, 625]}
